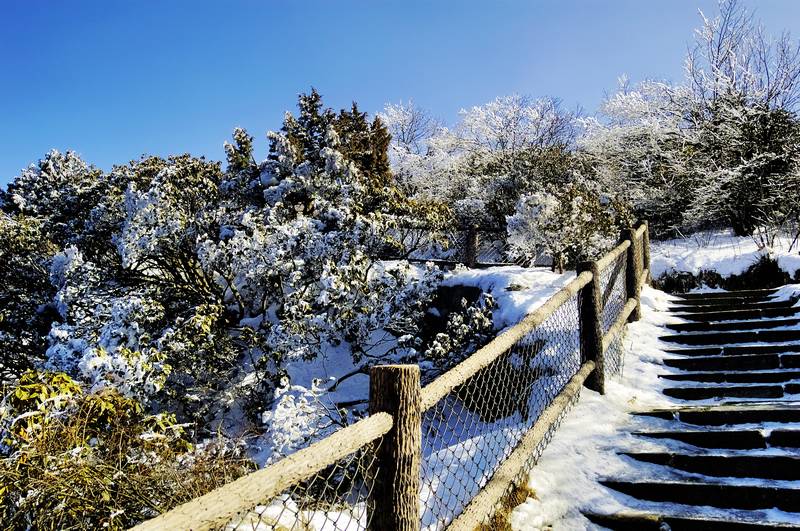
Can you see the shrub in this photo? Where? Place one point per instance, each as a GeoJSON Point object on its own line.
{"type": "Point", "coordinates": [761, 274]}
{"type": "Point", "coordinates": [569, 223]}
{"type": "Point", "coordinates": [76, 460]}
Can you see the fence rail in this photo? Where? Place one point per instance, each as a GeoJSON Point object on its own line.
{"type": "Point", "coordinates": [445, 455]}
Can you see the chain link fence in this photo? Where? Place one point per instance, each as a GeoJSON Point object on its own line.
{"type": "Point", "coordinates": [333, 499]}
{"type": "Point", "coordinates": [488, 247]}
{"type": "Point", "coordinates": [498, 409]}
{"type": "Point", "coordinates": [612, 285]}
{"type": "Point", "coordinates": [472, 430]}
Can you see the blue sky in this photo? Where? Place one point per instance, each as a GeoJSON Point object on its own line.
{"type": "Point", "coordinates": [113, 80]}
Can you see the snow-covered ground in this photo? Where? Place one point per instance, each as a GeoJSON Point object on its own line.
{"type": "Point", "coordinates": [586, 445]}
{"type": "Point", "coordinates": [720, 251]}
{"type": "Point", "coordinates": [517, 290]}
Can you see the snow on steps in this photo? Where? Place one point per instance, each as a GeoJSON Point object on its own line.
{"type": "Point", "coordinates": [737, 459]}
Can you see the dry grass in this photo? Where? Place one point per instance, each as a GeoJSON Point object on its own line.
{"type": "Point", "coordinates": [99, 462]}
{"type": "Point", "coordinates": [500, 520]}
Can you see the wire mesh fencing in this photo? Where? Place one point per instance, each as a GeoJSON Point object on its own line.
{"type": "Point", "coordinates": [419, 243]}
{"type": "Point", "coordinates": [483, 247]}
{"type": "Point", "coordinates": [493, 248]}
{"type": "Point", "coordinates": [472, 430]}
{"type": "Point", "coordinates": [334, 499]}
{"type": "Point", "coordinates": [613, 288]}
{"type": "Point", "coordinates": [500, 414]}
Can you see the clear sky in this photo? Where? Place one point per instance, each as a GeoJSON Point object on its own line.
{"type": "Point", "coordinates": [115, 79]}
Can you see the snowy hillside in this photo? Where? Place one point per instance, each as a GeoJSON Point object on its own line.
{"type": "Point", "coordinates": [720, 251]}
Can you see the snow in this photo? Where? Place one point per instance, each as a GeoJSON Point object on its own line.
{"type": "Point", "coordinates": [586, 446]}
{"type": "Point", "coordinates": [518, 291]}
{"type": "Point", "coordinates": [720, 251]}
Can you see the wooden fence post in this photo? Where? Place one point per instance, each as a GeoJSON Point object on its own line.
{"type": "Point", "coordinates": [591, 327]}
{"type": "Point", "coordinates": [646, 251]}
{"type": "Point", "coordinates": [394, 500]}
{"type": "Point", "coordinates": [633, 273]}
{"type": "Point", "coordinates": [471, 247]}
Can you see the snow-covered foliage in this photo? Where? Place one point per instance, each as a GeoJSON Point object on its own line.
{"type": "Point", "coordinates": [719, 150]}
{"type": "Point", "coordinates": [223, 295]}
{"type": "Point", "coordinates": [570, 224]}
{"type": "Point", "coordinates": [59, 191]}
{"type": "Point", "coordinates": [496, 152]}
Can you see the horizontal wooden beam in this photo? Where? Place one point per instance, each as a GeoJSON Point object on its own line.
{"type": "Point", "coordinates": [613, 254]}
{"type": "Point", "coordinates": [619, 324]}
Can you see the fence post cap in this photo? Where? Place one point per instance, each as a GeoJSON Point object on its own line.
{"type": "Point", "coordinates": [396, 367]}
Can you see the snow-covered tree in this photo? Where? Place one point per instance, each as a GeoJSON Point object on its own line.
{"type": "Point", "coordinates": [26, 295]}
{"type": "Point", "coordinates": [60, 190]}
{"type": "Point", "coordinates": [568, 224]}
{"type": "Point", "coordinates": [708, 152]}
{"type": "Point", "coordinates": [496, 152]}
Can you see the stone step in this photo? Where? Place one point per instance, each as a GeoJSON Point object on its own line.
{"type": "Point", "coordinates": [726, 338]}
{"type": "Point", "coordinates": [737, 315]}
{"type": "Point", "coordinates": [735, 362]}
{"type": "Point", "coordinates": [724, 298]}
{"type": "Point", "coordinates": [726, 305]}
{"type": "Point", "coordinates": [784, 438]}
{"type": "Point", "coordinates": [731, 299]}
{"type": "Point", "coordinates": [723, 496]}
{"type": "Point", "coordinates": [636, 521]}
{"type": "Point", "coordinates": [727, 391]}
{"type": "Point", "coordinates": [724, 301]}
{"type": "Point", "coordinates": [716, 439]}
{"type": "Point", "coordinates": [734, 377]}
{"type": "Point", "coordinates": [775, 467]}
{"type": "Point", "coordinates": [729, 439]}
{"type": "Point", "coordinates": [744, 293]}
{"type": "Point", "coordinates": [733, 325]}
{"type": "Point", "coordinates": [734, 350]}
{"type": "Point", "coordinates": [728, 414]}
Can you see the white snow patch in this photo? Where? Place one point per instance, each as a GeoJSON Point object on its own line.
{"type": "Point", "coordinates": [517, 290]}
{"type": "Point", "coordinates": [720, 251]}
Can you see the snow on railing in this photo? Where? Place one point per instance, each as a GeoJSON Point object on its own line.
{"type": "Point", "coordinates": [444, 456]}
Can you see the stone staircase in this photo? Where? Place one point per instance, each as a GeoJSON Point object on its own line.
{"type": "Point", "coordinates": [735, 457]}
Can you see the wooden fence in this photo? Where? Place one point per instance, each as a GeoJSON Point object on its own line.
{"type": "Point", "coordinates": [400, 442]}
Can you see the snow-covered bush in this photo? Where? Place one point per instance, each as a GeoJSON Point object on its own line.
{"type": "Point", "coordinates": [569, 224]}
{"type": "Point", "coordinates": [298, 415]}
{"type": "Point", "coordinates": [465, 331]}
